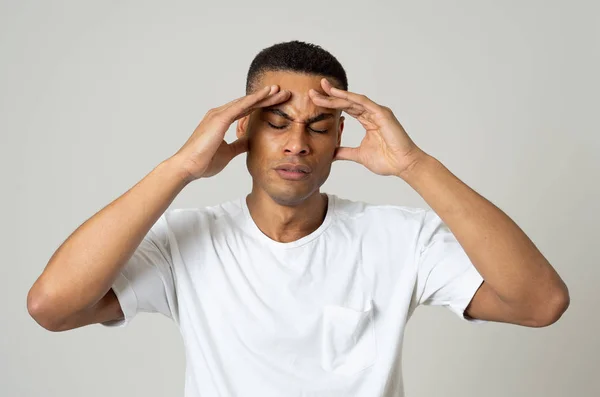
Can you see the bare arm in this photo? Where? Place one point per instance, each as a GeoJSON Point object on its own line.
{"type": "Point", "coordinates": [521, 286]}
{"type": "Point", "coordinates": [75, 287]}
{"type": "Point", "coordinates": [82, 270]}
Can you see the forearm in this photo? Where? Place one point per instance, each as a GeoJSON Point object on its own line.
{"type": "Point", "coordinates": [84, 267]}
{"type": "Point", "coordinates": [502, 253]}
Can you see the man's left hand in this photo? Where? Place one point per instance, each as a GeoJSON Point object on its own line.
{"type": "Point", "coordinates": [386, 148]}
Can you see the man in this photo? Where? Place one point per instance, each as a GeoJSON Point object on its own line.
{"type": "Point", "coordinates": [289, 291]}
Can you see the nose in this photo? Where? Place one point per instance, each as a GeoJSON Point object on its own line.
{"type": "Point", "coordinates": [297, 142]}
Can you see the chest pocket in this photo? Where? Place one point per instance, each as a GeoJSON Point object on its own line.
{"type": "Point", "coordinates": [348, 343]}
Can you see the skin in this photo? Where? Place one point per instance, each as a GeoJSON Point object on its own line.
{"type": "Point", "coordinates": [75, 287]}
{"type": "Point", "coordinates": [288, 210]}
{"type": "Point", "coordinates": [520, 285]}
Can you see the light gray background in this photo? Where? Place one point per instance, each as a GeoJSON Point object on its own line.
{"type": "Point", "coordinates": [95, 94]}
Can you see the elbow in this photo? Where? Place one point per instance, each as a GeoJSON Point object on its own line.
{"type": "Point", "coordinates": [40, 310]}
{"type": "Point", "coordinates": [553, 308]}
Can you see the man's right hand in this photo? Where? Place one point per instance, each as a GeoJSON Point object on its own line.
{"type": "Point", "coordinates": [75, 288]}
{"type": "Point", "coordinates": [206, 153]}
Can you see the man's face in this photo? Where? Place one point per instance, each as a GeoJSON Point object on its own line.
{"type": "Point", "coordinates": [295, 132]}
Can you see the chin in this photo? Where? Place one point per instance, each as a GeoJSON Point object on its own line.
{"type": "Point", "coordinates": [283, 192]}
{"type": "Point", "coordinates": [289, 195]}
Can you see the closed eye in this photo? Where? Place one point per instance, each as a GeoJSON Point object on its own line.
{"type": "Point", "coordinates": [277, 127]}
{"type": "Point", "coordinates": [280, 127]}
{"type": "Point", "coordinates": [318, 131]}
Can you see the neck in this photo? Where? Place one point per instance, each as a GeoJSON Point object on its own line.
{"type": "Point", "coordinates": [287, 223]}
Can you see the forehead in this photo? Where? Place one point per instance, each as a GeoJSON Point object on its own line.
{"type": "Point", "coordinates": [298, 84]}
{"type": "Point", "coordinates": [295, 82]}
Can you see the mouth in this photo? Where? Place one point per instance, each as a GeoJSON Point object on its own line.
{"type": "Point", "coordinates": [293, 171]}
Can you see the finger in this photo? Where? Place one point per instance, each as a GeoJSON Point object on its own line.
{"type": "Point", "coordinates": [346, 153]}
{"type": "Point", "coordinates": [327, 86]}
{"type": "Point", "coordinates": [353, 109]}
{"type": "Point", "coordinates": [350, 96]}
{"type": "Point", "coordinates": [274, 99]}
{"type": "Point", "coordinates": [239, 146]}
{"type": "Point", "coordinates": [255, 96]}
{"type": "Point", "coordinates": [247, 100]}
{"type": "Point", "coordinates": [245, 107]}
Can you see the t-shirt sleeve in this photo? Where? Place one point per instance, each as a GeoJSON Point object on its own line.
{"type": "Point", "coordinates": [445, 275]}
{"type": "Point", "coordinates": [146, 282]}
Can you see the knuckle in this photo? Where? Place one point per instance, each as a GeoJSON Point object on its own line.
{"type": "Point", "coordinates": [386, 111]}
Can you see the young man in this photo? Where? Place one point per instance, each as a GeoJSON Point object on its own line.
{"type": "Point", "coordinates": [289, 291]}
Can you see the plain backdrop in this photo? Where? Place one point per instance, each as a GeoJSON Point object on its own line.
{"type": "Point", "coordinates": [94, 94]}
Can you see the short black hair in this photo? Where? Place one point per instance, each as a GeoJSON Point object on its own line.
{"type": "Point", "coordinates": [296, 56]}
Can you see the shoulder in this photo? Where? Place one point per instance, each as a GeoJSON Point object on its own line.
{"type": "Point", "coordinates": [194, 218]}
{"type": "Point", "coordinates": [360, 210]}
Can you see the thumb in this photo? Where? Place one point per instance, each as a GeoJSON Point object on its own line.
{"type": "Point", "coordinates": [346, 153]}
{"type": "Point", "coordinates": [238, 146]}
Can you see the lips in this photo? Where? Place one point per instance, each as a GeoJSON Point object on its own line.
{"type": "Point", "coordinates": [289, 167]}
{"type": "Point", "coordinates": [293, 172]}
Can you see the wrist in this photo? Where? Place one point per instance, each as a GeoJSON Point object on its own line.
{"type": "Point", "coordinates": [420, 161]}
{"type": "Point", "coordinates": [174, 167]}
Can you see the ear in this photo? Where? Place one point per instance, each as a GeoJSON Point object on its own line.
{"type": "Point", "coordinates": [340, 130]}
{"type": "Point", "coordinates": [242, 126]}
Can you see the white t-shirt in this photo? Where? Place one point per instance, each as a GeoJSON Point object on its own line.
{"type": "Point", "coordinates": [320, 316]}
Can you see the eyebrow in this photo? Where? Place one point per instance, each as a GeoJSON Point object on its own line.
{"type": "Point", "coordinates": [311, 120]}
